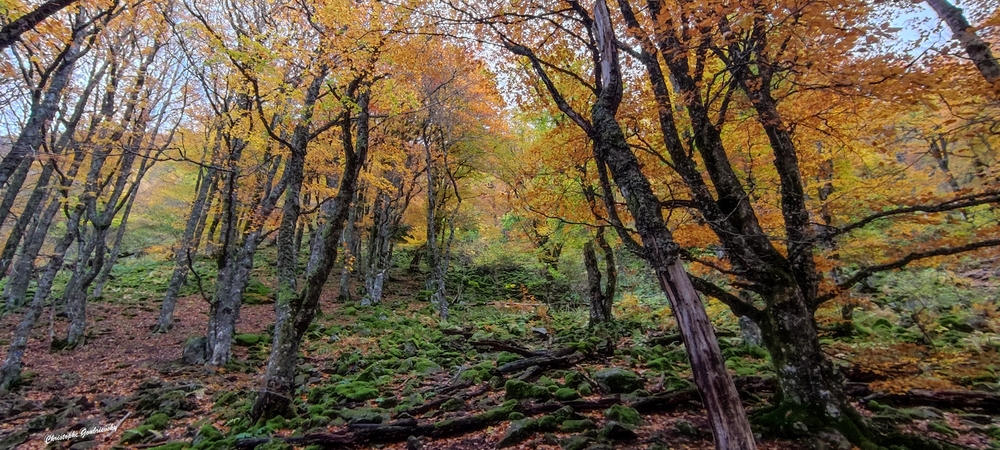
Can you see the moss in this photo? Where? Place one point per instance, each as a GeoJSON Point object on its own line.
{"type": "Point", "coordinates": [565, 394]}
{"type": "Point", "coordinates": [623, 414]}
{"type": "Point", "coordinates": [661, 364]}
{"type": "Point", "coordinates": [158, 421]}
{"type": "Point", "coordinates": [585, 389]}
{"type": "Point", "coordinates": [277, 423]}
{"type": "Point", "coordinates": [208, 432]}
{"type": "Point", "coordinates": [515, 416]}
{"type": "Point", "coordinates": [576, 426]}
{"type": "Point", "coordinates": [942, 428]}
{"type": "Point", "coordinates": [453, 404]}
{"type": "Point", "coordinates": [135, 435]}
{"type": "Point", "coordinates": [248, 339]}
{"type": "Point", "coordinates": [357, 391]}
{"type": "Point", "coordinates": [519, 390]}
{"type": "Point", "coordinates": [424, 365]}
{"type": "Point", "coordinates": [507, 357]}
{"type": "Point", "coordinates": [547, 423]}
{"type": "Point", "coordinates": [171, 446]}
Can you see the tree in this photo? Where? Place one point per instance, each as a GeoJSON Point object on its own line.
{"type": "Point", "coordinates": [977, 49]}
{"type": "Point", "coordinates": [15, 28]}
{"type": "Point", "coordinates": [614, 156]}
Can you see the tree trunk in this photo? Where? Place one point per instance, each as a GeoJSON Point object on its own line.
{"type": "Point", "coordinates": [352, 243]}
{"type": "Point", "coordinates": [601, 299]}
{"type": "Point", "coordinates": [16, 181]}
{"type": "Point", "coordinates": [11, 369]}
{"type": "Point", "coordinates": [725, 411]}
{"type": "Point", "coordinates": [435, 283]}
{"type": "Point", "coordinates": [188, 245]}
{"type": "Point", "coordinates": [379, 250]}
{"type": "Point", "coordinates": [38, 196]}
{"type": "Point", "coordinates": [116, 247]}
{"type": "Point", "coordinates": [12, 31]}
{"type": "Point", "coordinates": [977, 49]}
{"type": "Point", "coordinates": [275, 398]}
{"type": "Point", "coordinates": [810, 387]}
{"type": "Point", "coordinates": [43, 110]}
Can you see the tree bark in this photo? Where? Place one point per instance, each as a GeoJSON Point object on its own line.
{"type": "Point", "coordinates": [11, 32]}
{"type": "Point", "coordinates": [601, 299]}
{"type": "Point", "coordinates": [43, 109]}
{"type": "Point", "coordinates": [11, 369]}
{"type": "Point", "coordinates": [275, 397]}
{"type": "Point", "coordinates": [188, 245]}
{"type": "Point", "coordinates": [977, 49]}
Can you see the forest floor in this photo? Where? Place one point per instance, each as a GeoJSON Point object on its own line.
{"type": "Point", "coordinates": [394, 363]}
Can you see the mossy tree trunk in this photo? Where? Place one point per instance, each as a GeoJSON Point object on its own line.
{"type": "Point", "coordinates": [601, 298]}
{"type": "Point", "coordinates": [275, 397]}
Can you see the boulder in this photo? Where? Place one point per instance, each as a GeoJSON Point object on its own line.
{"type": "Point", "coordinates": [616, 380]}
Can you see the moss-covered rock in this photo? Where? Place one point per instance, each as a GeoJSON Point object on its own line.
{"type": "Point", "coordinates": [507, 357]}
{"type": "Point", "coordinates": [623, 414]}
{"type": "Point", "coordinates": [616, 380]}
{"type": "Point", "coordinates": [357, 391]}
{"type": "Point", "coordinates": [661, 364]}
{"type": "Point", "coordinates": [453, 404]}
{"type": "Point", "coordinates": [566, 394]}
{"type": "Point", "coordinates": [248, 339]}
{"type": "Point", "coordinates": [519, 431]}
{"type": "Point", "coordinates": [519, 390]}
{"type": "Point", "coordinates": [547, 423]}
{"type": "Point", "coordinates": [617, 432]}
{"type": "Point", "coordinates": [576, 426]}
{"type": "Point", "coordinates": [361, 416]}
{"type": "Point", "coordinates": [158, 421]}
{"type": "Point", "coordinates": [575, 443]}
{"type": "Point", "coordinates": [585, 390]}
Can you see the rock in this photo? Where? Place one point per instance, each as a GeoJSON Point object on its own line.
{"type": "Point", "coordinates": [15, 439]}
{"type": "Point", "coordinates": [623, 414]}
{"type": "Point", "coordinates": [413, 443]}
{"type": "Point", "coordinates": [616, 380]}
{"type": "Point", "coordinates": [618, 432]}
{"type": "Point", "coordinates": [547, 423]}
{"type": "Point", "coordinates": [574, 443]}
{"type": "Point", "coordinates": [453, 404]}
{"type": "Point", "coordinates": [359, 416]}
{"type": "Point", "coordinates": [519, 431]}
{"type": "Point", "coordinates": [43, 422]}
{"type": "Point", "coordinates": [566, 394]}
{"type": "Point", "coordinates": [388, 402]}
{"type": "Point", "coordinates": [195, 351]}
{"type": "Point", "coordinates": [685, 428]}
{"type": "Point", "coordinates": [751, 332]}
{"type": "Point", "coordinates": [158, 421]}
{"type": "Point", "coordinates": [566, 413]}
{"type": "Point", "coordinates": [830, 440]}
{"type": "Point", "coordinates": [519, 390]}
{"type": "Point", "coordinates": [661, 364]}
{"type": "Point", "coordinates": [575, 426]}
{"type": "Point", "coordinates": [507, 357]}
{"type": "Point", "coordinates": [247, 339]}
{"type": "Point", "coordinates": [84, 445]}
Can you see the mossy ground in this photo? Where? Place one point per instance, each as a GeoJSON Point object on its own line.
{"type": "Point", "coordinates": [379, 364]}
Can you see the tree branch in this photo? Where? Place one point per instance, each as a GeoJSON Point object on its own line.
{"type": "Point", "coordinates": [899, 263]}
{"type": "Point", "coordinates": [965, 201]}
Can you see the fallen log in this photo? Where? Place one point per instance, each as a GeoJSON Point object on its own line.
{"type": "Point", "coordinates": [401, 430]}
{"type": "Point", "coordinates": [953, 399]}
{"type": "Point", "coordinates": [506, 347]}
{"type": "Point", "coordinates": [558, 358]}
